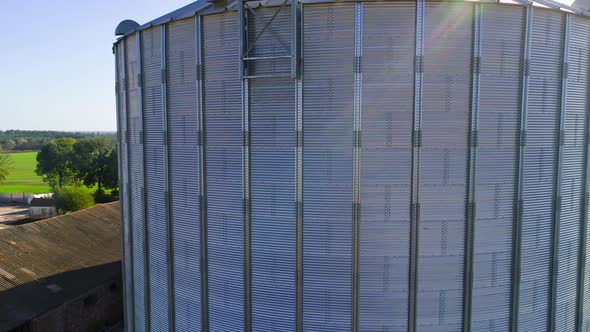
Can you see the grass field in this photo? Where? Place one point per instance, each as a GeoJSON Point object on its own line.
{"type": "Point", "coordinates": [22, 178]}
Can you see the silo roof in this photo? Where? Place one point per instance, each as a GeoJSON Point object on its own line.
{"type": "Point", "coordinates": [581, 7]}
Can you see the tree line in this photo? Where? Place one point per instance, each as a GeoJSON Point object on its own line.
{"type": "Point", "coordinates": [80, 171]}
{"type": "Point", "coordinates": [31, 140]}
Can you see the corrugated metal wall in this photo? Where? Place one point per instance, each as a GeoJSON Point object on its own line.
{"type": "Point", "coordinates": [223, 121]}
{"type": "Point", "coordinates": [272, 167]}
{"type": "Point", "coordinates": [156, 209]}
{"type": "Point", "coordinates": [219, 217]}
{"type": "Point", "coordinates": [387, 113]}
{"type": "Point", "coordinates": [497, 165]}
{"type": "Point", "coordinates": [135, 171]}
{"type": "Point", "coordinates": [443, 165]}
{"type": "Point", "coordinates": [184, 173]}
{"type": "Point", "coordinates": [574, 192]}
{"type": "Point", "coordinates": [541, 140]}
{"type": "Point", "coordinates": [121, 93]}
{"type": "Point", "coordinates": [328, 91]}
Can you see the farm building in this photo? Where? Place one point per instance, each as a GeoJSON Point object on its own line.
{"type": "Point", "coordinates": [42, 208]}
{"type": "Point", "coordinates": [318, 165]}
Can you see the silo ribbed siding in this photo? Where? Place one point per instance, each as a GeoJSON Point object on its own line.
{"type": "Point", "coordinates": [480, 123]}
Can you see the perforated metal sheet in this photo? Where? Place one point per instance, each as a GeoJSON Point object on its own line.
{"type": "Point", "coordinates": [387, 109]}
{"type": "Point", "coordinates": [443, 166]}
{"type": "Point", "coordinates": [539, 168]}
{"type": "Point", "coordinates": [328, 92]}
{"type": "Point", "coordinates": [497, 164]}
{"type": "Point", "coordinates": [223, 121]}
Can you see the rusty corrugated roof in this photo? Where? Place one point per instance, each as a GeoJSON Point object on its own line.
{"type": "Point", "coordinates": [44, 263]}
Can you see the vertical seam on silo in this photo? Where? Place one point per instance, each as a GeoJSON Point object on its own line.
{"type": "Point", "coordinates": [471, 204]}
{"type": "Point", "coordinates": [128, 186]}
{"type": "Point", "coordinates": [242, 27]}
{"type": "Point", "coordinates": [357, 164]}
{"type": "Point", "coordinates": [416, 143]}
{"type": "Point", "coordinates": [299, 178]}
{"type": "Point", "coordinates": [522, 140]}
{"type": "Point", "coordinates": [584, 224]}
{"type": "Point", "coordinates": [143, 175]}
{"type": "Point", "coordinates": [167, 197]}
{"type": "Point", "coordinates": [558, 180]}
{"type": "Point", "coordinates": [202, 190]}
{"type": "Point", "coordinates": [127, 309]}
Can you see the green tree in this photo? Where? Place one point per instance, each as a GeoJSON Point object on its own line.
{"type": "Point", "coordinates": [9, 144]}
{"type": "Point", "coordinates": [73, 198]}
{"type": "Point", "coordinates": [95, 163]}
{"type": "Point", "coordinates": [5, 166]}
{"type": "Point", "coordinates": [54, 162]}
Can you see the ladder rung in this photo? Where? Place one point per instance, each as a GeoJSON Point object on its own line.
{"type": "Point", "coordinates": [267, 57]}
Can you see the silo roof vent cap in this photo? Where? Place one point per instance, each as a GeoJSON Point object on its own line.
{"type": "Point", "coordinates": [125, 27]}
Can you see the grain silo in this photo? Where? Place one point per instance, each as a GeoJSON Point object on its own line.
{"type": "Point", "coordinates": [321, 165]}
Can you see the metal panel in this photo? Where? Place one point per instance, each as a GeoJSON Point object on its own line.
{"type": "Point", "coordinates": [542, 134]}
{"type": "Point", "coordinates": [124, 183]}
{"type": "Point", "coordinates": [155, 168]}
{"type": "Point", "coordinates": [328, 94]}
{"type": "Point", "coordinates": [272, 184]}
{"type": "Point", "coordinates": [574, 170]}
{"type": "Point", "coordinates": [387, 109]}
{"type": "Point", "coordinates": [497, 160]}
{"type": "Point", "coordinates": [136, 185]}
{"type": "Point", "coordinates": [443, 166]}
{"type": "Point", "coordinates": [272, 119]}
{"type": "Point", "coordinates": [571, 189]}
{"type": "Point", "coordinates": [416, 154]}
{"type": "Point", "coordinates": [299, 173]}
{"type": "Point", "coordinates": [473, 149]}
{"type": "Point", "coordinates": [222, 106]}
{"type": "Point", "coordinates": [184, 170]}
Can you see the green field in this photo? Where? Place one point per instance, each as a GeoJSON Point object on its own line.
{"type": "Point", "coordinates": [22, 178]}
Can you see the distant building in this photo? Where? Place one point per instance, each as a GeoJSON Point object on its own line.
{"type": "Point", "coordinates": [42, 208]}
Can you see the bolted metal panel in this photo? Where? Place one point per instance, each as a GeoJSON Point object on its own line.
{"type": "Point", "coordinates": [473, 149]}
{"type": "Point", "coordinates": [151, 61]}
{"type": "Point", "coordinates": [299, 172]}
{"type": "Point", "coordinates": [136, 187]}
{"type": "Point", "coordinates": [387, 112]}
{"type": "Point", "coordinates": [184, 179]}
{"type": "Point", "coordinates": [571, 170]}
{"type": "Point", "coordinates": [272, 184]}
{"type": "Point", "coordinates": [574, 194]}
{"type": "Point", "coordinates": [271, 165]}
{"type": "Point", "coordinates": [124, 184]}
{"type": "Point", "coordinates": [356, 181]}
{"type": "Point", "coordinates": [496, 164]}
{"type": "Point", "coordinates": [446, 91]}
{"type": "Point", "coordinates": [416, 140]}
{"type": "Point", "coordinates": [223, 110]}
{"type": "Point", "coordinates": [328, 94]}
{"type": "Point", "coordinates": [540, 158]}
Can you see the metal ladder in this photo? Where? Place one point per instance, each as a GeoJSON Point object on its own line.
{"type": "Point", "coordinates": [246, 12]}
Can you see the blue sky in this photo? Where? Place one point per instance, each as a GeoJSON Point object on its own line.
{"type": "Point", "coordinates": [56, 63]}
